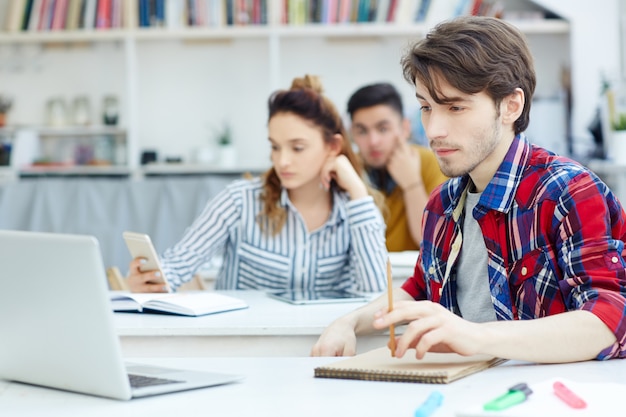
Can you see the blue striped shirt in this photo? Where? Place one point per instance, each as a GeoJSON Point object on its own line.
{"type": "Point", "coordinates": [347, 252]}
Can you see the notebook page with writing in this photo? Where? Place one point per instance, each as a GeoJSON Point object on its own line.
{"type": "Point", "coordinates": [434, 368]}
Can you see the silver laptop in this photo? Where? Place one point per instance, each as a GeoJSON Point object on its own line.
{"type": "Point", "coordinates": [56, 322]}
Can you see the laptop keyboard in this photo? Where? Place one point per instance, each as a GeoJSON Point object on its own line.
{"type": "Point", "coordinates": [140, 381]}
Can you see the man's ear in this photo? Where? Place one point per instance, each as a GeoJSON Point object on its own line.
{"type": "Point", "coordinates": [512, 106]}
{"type": "Point", "coordinates": [336, 145]}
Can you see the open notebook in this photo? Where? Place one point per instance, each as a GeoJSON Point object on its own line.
{"type": "Point", "coordinates": [193, 303]}
{"type": "Point", "coordinates": [434, 368]}
{"type": "Point", "coordinates": [56, 323]}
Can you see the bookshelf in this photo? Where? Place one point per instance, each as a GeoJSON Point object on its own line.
{"type": "Point", "coordinates": [176, 85]}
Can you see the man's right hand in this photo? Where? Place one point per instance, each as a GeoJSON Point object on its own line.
{"type": "Point", "coordinates": [405, 165]}
{"type": "Point", "coordinates": [147, 281]}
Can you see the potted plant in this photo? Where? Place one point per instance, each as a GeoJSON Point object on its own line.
{"type": "Point", "coordinates": [5, 105]}
{"type": "Point", "coordinates": [620, 122]}
{"type": "Point", "coordinates": [226, 148]}
{"type": "Point", "coordinates": [618, 139]}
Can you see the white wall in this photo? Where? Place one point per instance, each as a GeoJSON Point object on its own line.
{"type": "Point", "coordinates": [595, 51]}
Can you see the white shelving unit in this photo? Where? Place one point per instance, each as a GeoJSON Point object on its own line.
{"type": "Point", "coordinates": [71, 150]}
{"type": "Point", "coordinates": [176, 86]}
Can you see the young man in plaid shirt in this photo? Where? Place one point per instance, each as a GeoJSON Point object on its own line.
{"type": "Point", "coordinates": [522, 250]}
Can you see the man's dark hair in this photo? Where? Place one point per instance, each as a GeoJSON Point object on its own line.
{"type": "Point", "coordinates": [474, 54]}
{"type": "Point", "coordinates": [374, 95]}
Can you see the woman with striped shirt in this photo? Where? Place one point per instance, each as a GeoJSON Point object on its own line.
{"type": "Point", "coordinates": [309, 223]}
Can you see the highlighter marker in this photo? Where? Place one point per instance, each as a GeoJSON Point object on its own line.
{"type": "Point", "coordinates": [429, 406]}
{"type": "Point", "coordinates": [516, 394]}
{"type": "Point", "coordinates": [567, 396]}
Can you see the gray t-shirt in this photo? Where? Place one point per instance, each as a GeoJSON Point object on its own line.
{"type": "Point", "coordinates": [472, 280]}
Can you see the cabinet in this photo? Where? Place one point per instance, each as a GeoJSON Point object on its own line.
{"type": "Point", "coordinates": [177, 86]}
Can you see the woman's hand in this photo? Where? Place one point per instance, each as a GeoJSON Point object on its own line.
{"type": "Point", "coordinates": [341, 170]}
{"type": "Point", "coordinates": [147, 281]}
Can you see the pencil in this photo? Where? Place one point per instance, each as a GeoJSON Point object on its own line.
{"type": "Point", "coordinates": [392, 335]}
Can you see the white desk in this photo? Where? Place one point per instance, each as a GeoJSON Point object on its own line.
{"type": "Point", "coordinates": [285, 387]}
{"type": "Point", "coordinates": [267, 328]}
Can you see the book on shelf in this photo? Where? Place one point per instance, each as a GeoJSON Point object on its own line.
{"type": "Point", "coordinates": [158, 16]}
{"type": "Point", "coordinates": [73, 15]}
{"type": "Point", "coordinates": [116, 14]}
{"type": "Point", "coordinates": [130, 14]}
{"type": "Point", "coordinates": [175, 14]}
{"type": "Point", "coordinates": [89, 14]}
{"type": "Point", "coordinates": [382, 11]}
{"type": "Point", "coordinates": [192, 303]}
{"type": "Point", "coordinates": [217, 14]}
{"type": "Point", "coordinates": [15, 13]}
{"type": "Point", "coordinates": [202, 13]}
{"type": "Point", "coordinates": [45, 15]}
{"type": "Point", "coordinates": [363, 11]}
{"type": "Point", "coordinates": [35, 15]}
{"type": "Point", "coordinates": [343, 11]}
{"type": "Point", "coordinates": [405, 12]}
{"type": "Point", "coordinates": [26, 15]}
{"type": "Point", "coordinates": [422, 11]}
{"type": "Point", "coordinates": [144, 13]}
{"type": "Point", "coordinates": [103, 14]}
{"type": "Point", "coordinates": [59, 15]}
{"type": "Point", "coordinates": [391, 13]}
{"type": "Point", "coordinates": [5, 7]}
{"type": "Point", "coordinates": [434, 368]}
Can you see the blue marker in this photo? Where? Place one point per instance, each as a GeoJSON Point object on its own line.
{"type": "Point", "coordinates": [429, 406]}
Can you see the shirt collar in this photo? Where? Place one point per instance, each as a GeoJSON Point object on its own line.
{"type": "Point", "coordinates": [500, 192]}
{"type": "Point", "coordinates": [381, 179]}
{"type": "Point", "coordinates": [338, 211]}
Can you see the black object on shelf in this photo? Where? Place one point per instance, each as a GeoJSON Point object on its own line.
{"type": "Point", "coordinates": [148, 157]}
{"type": "Point", "coordinates": [5, 154]}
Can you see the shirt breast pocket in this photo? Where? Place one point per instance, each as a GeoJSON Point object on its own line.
{"type": "Point", "coordinates": [534, 286]}
{"type": "Point", "coordinates": [260, 269]}
{"type": "Point", "coordinates": [329, 271]}
{"type": "Point", "coordinates": [434, 272]}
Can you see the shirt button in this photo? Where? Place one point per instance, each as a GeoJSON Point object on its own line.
{"type": "Point", "coordinates": [614, 259]}
{"type": "Point", "coordinates": [524, 270]}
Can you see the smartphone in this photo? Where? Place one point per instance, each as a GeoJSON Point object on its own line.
{"type": "Point", "coordinates": [140, 246]}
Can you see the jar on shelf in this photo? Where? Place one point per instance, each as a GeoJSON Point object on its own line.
{"type": "Point", "coordinates": [103, 150]}
{"type": "Point", "coordinates": [56, 112]}
{"type": "Point", "coordinates": [5, 105]}
{"type": "Point", "coordinates": [110, 111]}
{"type": "Point", "coordinates": [81, 111]}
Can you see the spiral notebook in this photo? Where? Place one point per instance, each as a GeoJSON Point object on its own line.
{"type": "Point", "coordinates": [434, 368]}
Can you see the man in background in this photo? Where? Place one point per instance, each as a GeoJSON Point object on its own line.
{"type": "Point", "coordinates": [405, 173]}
